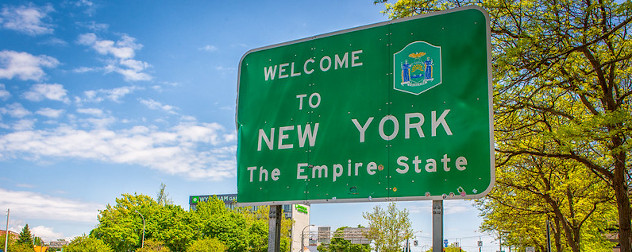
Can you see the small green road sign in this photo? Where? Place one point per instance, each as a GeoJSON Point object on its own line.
{"type": "Point", "coordinates": [400, 110]}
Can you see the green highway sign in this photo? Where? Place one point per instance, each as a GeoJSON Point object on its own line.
{"type": "Point", "coordinates": [400, 110]}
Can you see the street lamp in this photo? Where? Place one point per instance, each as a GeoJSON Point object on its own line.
{"type": "Point", "coordinates": [303, 237]}
{"type": "Point", "coordinates": [142, 244]}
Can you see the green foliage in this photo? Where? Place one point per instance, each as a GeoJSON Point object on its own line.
{"type": "Point", "coordinates": [532, 190]}
{"type": "Point", "coordinates": [450, 248]}
{"type": "Point", "coordinates": [243, 229]}
{"type": "Point", "coordinates": [86, 244]}
{"type": "Point", "coordinates": [15, 246]}
{"type": "Point", "coordinates": [172, 225]}
{"type": "Point", "coordinates": [563, 115]}
{"type": "Point", "coordinates": [38, 241]}
{"type": "Point", "coordinates": [121, 227]}
{"type": "Point", "coordinates": [21, 247]}
{"type": "Point", "coordinates": [339, 244]}
{"type": "Point", "coordinates": [152, 245]}
{"type": "Point", "coordinates": [388, 229]}
{"type": "Point", "coordinates": [25, 236]}
{"type": "Point", "coordinates": [207, 245]}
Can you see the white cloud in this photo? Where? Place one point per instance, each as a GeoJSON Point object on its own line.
{"type": "Point", "coordinates": [49, 112]}
{"type": "Point", "coordinates": [451, 207]}
{"type": "Point", "coordinates": [194, 150]}
{"type": "Point", "coordinates": [25, 204]}
{"type": "Point", "coordinates": [151, 104]}
{"type": "Point", "coordinates": [91, 111]}
{"type": "Point", "coordinates": [89, 5]}
{"type": "Point", "coordinates": [27, 20]}
{"type": "Point", "coordinates": [54, 42]}
{"type": "Point", "coordinates": [85, 69]}
{"type": "Point", "coordinates": [24, 124]}
{"type": "Point", "coordinates": [94, 26]}
{"type": "Point", "coordinates": [163, 84]}
{"type": "Point", "coordinates": [128, 73]}
{"type": "Point", "coordinates": [206, 133]}
{"type": "Point", "coordinates": [15, 110]}
{"type": "Point", "coordinates": [457, 206]}
{"type": "Point", "coordinates": [122, 53]}
{"type": "Point", "coordinates": [54, 92]}
{"type": "Point", "coordinates": [115, 94]}
{"type": "Point", "coordinates": [209, 48]}
{"type": "Point", "coordinates": [122, 49]}
{"type": "Point", "coordinates": [4, 94]}
{"type": "Point", "coordinates": [46, 233]}
{"type": "Point", "coordinates": [24, 65]}
{"type": "Point", "coordinates": [98, 123]}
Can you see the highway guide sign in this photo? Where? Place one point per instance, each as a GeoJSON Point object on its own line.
{"type": "Point", "coordinates": [399, 110]}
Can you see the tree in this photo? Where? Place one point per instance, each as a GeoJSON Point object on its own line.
{"type": "Point", "coordinates": [207, 245]}
{"type": "Point", "coordinates": [340, 244]}
{"type": "Point", "coordinates": [120, 227]}
{"type": "Point", "coordinates": [163, 197]}
{"type": "Point", "coordinates": [14, 246]}
{"type": "Point", "coordinates": [38, 241]}
{"type": "Point", "coordinates": [153, 245]}
{"type": "Point", "coordinates": [533, 190]}
{"type": "Point", "coordinates": [451, 248]}
{"type": "Point", "coordinates": [20, 247]}
{"type": "Point", "coordinates": [174, 226]}
{"type": "Point", "coordinates": [388, 229]}
{"type": "Point", "coordinates": [87, 244]}
{"type": "Point", "coordinates": [25, 236]}
{"type": "Point", "coordinates": [241, 229]}
{"type": "Point", "coordinates": [563, 77]}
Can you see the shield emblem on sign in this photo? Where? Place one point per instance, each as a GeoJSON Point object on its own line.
{"type": "Point", "coordinates": [417, 67]}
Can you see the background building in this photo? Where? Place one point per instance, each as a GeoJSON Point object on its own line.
{"type": "Point", "coordinates": [12, 235]}
{"type": "Point", "coordinates": [297, 212]}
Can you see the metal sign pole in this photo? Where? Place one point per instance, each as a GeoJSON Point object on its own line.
{"type": "Point", "coordinates": [274, 229]}
{"type": "Point", "coordinates": [437, 225]}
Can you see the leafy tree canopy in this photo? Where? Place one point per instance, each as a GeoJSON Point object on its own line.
{"type": "Point", "coordinates": [152, 245]}
{"type": "Point", "coordinates": [87, 244]}
{"type": "Point", "coordinates": [207, 245]}
{"type": "Point", "coordinates": [388, 228]}
{"type": "Point", "coordinates": [339, 244]}
{"type": "Point", "coordinates": [242, 229]}
{"type": "Point", "coordinates": [562, 91]}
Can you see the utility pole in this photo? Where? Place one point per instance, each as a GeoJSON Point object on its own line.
{"type": "Point", "coordinates": [6, 239]}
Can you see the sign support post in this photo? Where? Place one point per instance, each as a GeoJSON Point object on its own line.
{"type": "Point", "coordinates": [437, 225]}
{"type": "Point", "coordinates": [274, 229]}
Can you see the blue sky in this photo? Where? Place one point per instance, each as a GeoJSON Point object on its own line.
{"type": "Point", "coordinates": [100, 98]}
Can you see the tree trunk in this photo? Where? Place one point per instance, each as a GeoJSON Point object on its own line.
{"type": "Point", "coordinates": [558, 238]}
{"type": "Point", "coordinates": [623, 204]}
